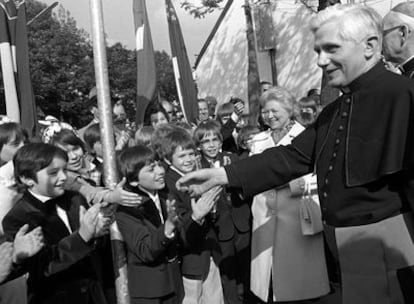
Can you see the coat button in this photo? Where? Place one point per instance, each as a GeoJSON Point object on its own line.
{"type": "Point", "coordinates": [326, 181]}
{"type": "Point", "coordinates": [341, 128]}
{"type": "Point", "coordinates": [344, 114]}
{"type": "Point", "coordinates": [325, 195]}
{"type": "Point", "coordinates": [334, 155]}
{"type": "Point", "coordinates": [330, 168]}
{"type": "Point", "coordinates": [337, 141]}
{"type": "Point", "coordinates": [348, 100]}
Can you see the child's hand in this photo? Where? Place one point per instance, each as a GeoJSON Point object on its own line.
{"type": "Point", "coordinates": [172, 211]}
{"type": "Point", "coordinates": [239, 108]}
{"type": "Point", "coordinates": [103, 224]}
{"type": "Point", "coordinates": [205, 203]}
{"type": "Point", "coordinates": [172, 218]}
{"type": "Point", "coordinates": [27, 244]}
{"type": "Point", "coordinates": [122, 140]}
{"type": "Point", "coordinates": [6, 253]}
{"type": "Point", "coordinates": [88, 220]}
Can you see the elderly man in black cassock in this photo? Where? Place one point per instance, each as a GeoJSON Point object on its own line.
{"type": "Point", "coordinates": [398, 37]}
{"type": "Point", "coordinates": [361, 148]}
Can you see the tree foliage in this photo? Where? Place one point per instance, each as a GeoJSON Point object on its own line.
{"type": "Point", "coordinates": [202, 9]}
{"type": "Point", "coordinates": [61, 64]}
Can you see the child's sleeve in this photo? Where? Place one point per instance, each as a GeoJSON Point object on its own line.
{"type": "Point", "coordinates": [53, 258]}
{"type": "Point", "coordinates": [147, 245]}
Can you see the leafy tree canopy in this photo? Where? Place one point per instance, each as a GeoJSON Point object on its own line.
{"type": "Point", "coordinates": [62, 71]}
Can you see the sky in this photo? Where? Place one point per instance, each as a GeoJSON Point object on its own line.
{"type": "Point", "coordinates": [119, 23]}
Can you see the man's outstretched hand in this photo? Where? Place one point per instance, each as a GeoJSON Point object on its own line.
{"type": "Point", "coordinates": [198, 182]}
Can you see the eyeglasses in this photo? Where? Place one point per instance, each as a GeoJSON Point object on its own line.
{"type": "Point", "coordinates": [387, 31]}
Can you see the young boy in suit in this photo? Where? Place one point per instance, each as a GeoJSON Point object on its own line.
{"type": "Point", "coordinates": [233, 216]}
{"type": "Point", "coordinates": [201, 276]}
{"type": "Point", "coordinates": [63, 271]}
{"type": "Point", "coordinates": [152, 231]}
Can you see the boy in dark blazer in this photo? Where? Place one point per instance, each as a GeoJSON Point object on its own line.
{"type": "Point", "coordinates": [201, 276]}
{"type": "Point", "coordinates": [152, 231]}
{"type": "Point", "coordinates": [232, 219]}
{"type": "Point", "coordinates": [64, 270]}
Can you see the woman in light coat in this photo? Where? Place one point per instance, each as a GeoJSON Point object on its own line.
{"type": "Point", "coordinates": [288, 260]}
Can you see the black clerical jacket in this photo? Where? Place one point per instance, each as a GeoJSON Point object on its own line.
{"type": "Point", "coordinates": [376, 139]}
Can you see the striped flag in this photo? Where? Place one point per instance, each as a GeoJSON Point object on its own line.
{"type": "Point", "coordinates": [253, 79]}
{"type": "Point", "coordinates": [20, 103]}
{"type": "Point", "coordinates": [186, 88]}
{"type": "Point", "coordinates": [146, 74]}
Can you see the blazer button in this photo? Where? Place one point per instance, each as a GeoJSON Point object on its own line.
{"type": "Point", "coordinates": [344, 114]}
{"type": "Point", "coordinates": [325, 195]}
{"type": "Point", "coordinates": [330, 168]}
{"type": "Point", "coordinates": [337, 141]}
{"type": "Point", "coordinates": [341, 128]}
{"type": "Point", "coordinates": [348, 100]}
{"type": "Point", "coordinates": [334, 155]}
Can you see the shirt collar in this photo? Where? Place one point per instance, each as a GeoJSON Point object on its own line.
{"type": "Point", "coordinates": [41, 198]}
{"type": "Point", "coordinates": [176, 170]}
{"type": "Point", "coordinates": [154, 197]}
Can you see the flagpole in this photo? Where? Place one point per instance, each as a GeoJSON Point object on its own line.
{"type": "Point", "coordinates": [108, 142]}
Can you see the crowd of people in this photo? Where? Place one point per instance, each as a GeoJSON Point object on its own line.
{"type": "Point", "coordinates": [304, 206]}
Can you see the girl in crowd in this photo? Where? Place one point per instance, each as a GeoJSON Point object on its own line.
{"type": "Point", "coordinates": [82, 176]}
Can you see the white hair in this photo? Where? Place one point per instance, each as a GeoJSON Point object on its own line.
{"type": "Point", "coordinates": [355, 21]}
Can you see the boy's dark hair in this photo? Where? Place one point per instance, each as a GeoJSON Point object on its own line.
{"type": "Point", "coordinates": [176, 138]}
{"type": "Point", "coordinates": [32, 158]}
{"type": "Point", "coordinates": [92, 135]}
{"type": "Point", "coordinates": [143, 135]}
{"type": "Point", "coordinates": [157, 138]}
{"type": "Point", "coordinates": [154, 108]}
{"type": "Point", "coordinates": [225, 109]}
{"type": "Point", "coordinates": [12, 131]}
{"type": "Point", "coordinates": [132, 160]}
{"type": "Point", "coordinates": [67, 137]}
{"type": "Point", "coordinates": [244, 135]}
{"type": "Point", "coordinates": [207, 127]}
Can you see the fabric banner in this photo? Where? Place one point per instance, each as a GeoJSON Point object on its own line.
{"type": "Point", "coordinates": [146, 73]}
{"type": "Point", "coordinates": [182, 70]}
{"type": "Point", "coordinates": [20, 102]}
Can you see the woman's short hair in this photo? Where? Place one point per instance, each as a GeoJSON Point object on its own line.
{"type": "Point", "coordinates": [282, 96]}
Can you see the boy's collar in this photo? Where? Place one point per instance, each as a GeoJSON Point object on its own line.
{"type": "Point", "coordinates": [40, 197]}
{"type": "Point", "coordinates": [153, 196]}
{"type": "Point", "coordinates": [176, 170]}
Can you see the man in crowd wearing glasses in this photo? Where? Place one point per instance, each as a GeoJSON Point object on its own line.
{"type": "Point", "coordinates": [398, 32]}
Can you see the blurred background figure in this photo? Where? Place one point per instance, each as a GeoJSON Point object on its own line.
{"type": "Point", "coordinates": [169, 108]}
{"type": "Point", "coordinates": [212, 104]}
{"type": "Point", "coordinates": [308, 109]}
{"type": "Point", "coordinates": [203, 113]}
